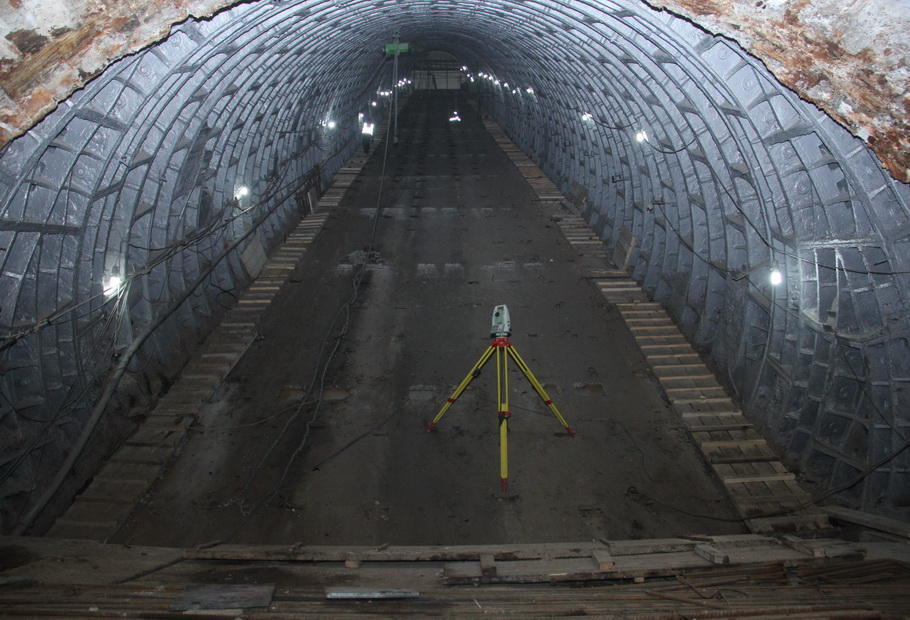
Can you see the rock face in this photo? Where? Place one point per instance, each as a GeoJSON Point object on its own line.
{"type": "Point", "coordinates": [49, 49]}
{"type": "Point", "coordinates": [849, 57]}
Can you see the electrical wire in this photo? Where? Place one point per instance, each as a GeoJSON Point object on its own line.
{"type": "Point", "coordinates": [836, 335]}
{"type": "Point", "coordinates": [673, 151]}
{"type": "Point", "coordinates": [117, 316]}
{"type": "Point", "coordinates": [126, 357]}
{"type": "Point", "coordinates": [768, 243]}
{"type": "Point", "coordinates": [317, 383]}
{"type": "Point", "coordinates": [166, 253]}
{"type": "Point", "coordinates": [66, 405]}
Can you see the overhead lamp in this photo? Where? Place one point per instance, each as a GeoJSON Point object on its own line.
{"type": "Point", "coordinates": [242, 191]}
{"type": "Point", "coordinates": [529, 90]}
{"type": "Point", "coordinates": [373, 103]}
{"type": "Point", "coordinates": [641, 136]}
{"type": "Point", "coordinates": [586, 116]}
{"type": "Point", "coordinates": [463, 68]}
{"type": "Point", "coordinates": [330, 124]}
{"type": "Point", "coordinates": [776, 277]}
{"type": "Point", "coordinates": [455, 118]}
{"type": "Point", "coordinates": [111, 285]}
{"type": "Point", "coordinates": [368, 129]}
{"type": "Point", "coordinates": [496, 82]}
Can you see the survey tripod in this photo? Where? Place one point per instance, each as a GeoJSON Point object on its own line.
{"type": "Point", "coordinates": [501, 346]}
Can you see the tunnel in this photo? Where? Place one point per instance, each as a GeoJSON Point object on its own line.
{"type": "Point", "coordinates": [137, 209]}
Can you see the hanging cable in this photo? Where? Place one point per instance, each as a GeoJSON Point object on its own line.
{"type": "Point", "coordinates": [126, 357]}
{"type": "Point", "coordinates": [764, 239]}
{"type": "Point", "coordinates": [316, 388]}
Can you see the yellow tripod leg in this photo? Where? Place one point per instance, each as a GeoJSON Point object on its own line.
{"type": "Point", "coordinates": [526, 370]}
{"type": "Point", "coordinates": [502, 398]}
{"type": "Point", "coordinates": [472, 374]}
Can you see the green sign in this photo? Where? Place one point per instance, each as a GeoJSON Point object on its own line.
{"type": "Point", "coordinates": [396, 48]}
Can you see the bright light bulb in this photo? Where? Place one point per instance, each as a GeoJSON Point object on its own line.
{"type": "Point", "coordinates": [242, 191]}
{"type": "Point", "coordinates": [641, 136]}
{"type": "Point", "coordinates": [373, 103]}
{"type": "Point", "coordinates": [776, 277]}
{"type": "Point", "coordinates": [367, 129]}
{"type": "Point", "coordinates": [111, 285]}
{"type": "Point", "coordinates": [464, 68]}
{"type": "Point", "coordinates": [529, 90]}
{"type": "Point", "coordinates": [586, 116]}
{"type": "Point", "coordinates": [330, 124]}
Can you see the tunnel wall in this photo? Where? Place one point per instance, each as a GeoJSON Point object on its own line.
{"type": "Point", "coordinates": [737, 177]}
{"type": "Point", "coordinates": [139, 175]}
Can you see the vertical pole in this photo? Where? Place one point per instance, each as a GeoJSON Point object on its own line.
{"type": "Point", "coordinates": [502, 397]}
{"type": "Point", "coordinates": [395, 87]}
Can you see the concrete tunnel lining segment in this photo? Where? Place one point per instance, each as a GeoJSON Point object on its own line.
{"type": "Point", "coordinates": [135, 175]}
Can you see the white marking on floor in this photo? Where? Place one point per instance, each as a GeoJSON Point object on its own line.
{"type": "Point", "coordinates": [427, 270]}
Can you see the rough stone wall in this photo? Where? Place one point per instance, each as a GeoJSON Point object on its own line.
{"type": "Point", "coordinates": [847, 56]}
{"type": "Point", "coordinates": [49, 48]}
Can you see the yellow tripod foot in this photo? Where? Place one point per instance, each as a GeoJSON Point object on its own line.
{"type": "Point", "coordinates": [503, 349]}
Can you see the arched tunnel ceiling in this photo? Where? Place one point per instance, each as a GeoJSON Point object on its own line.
{"type": "Point", "coordinates": [137, 176]}
{"type": "Point", "coordinates": [849, 58]}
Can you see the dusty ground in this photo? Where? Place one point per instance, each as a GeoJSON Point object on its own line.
{"type": "Point", "coordinates": [459, 233]}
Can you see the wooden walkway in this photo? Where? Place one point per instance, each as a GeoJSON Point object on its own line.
{"type": "Point", "coordinates": [705, 576]}
{"type": "Point", "coordinates": [105, 504]}
{"type": "Point", "coordinates": [765, 494]}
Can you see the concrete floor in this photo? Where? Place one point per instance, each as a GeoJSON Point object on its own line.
{"type": "Point", "coordinates": [458, 233]}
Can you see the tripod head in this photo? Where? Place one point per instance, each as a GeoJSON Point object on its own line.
{"type": "Point", "coordinates": [501, 326]}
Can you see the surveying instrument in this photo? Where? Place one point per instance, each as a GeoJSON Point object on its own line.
{"type": "Point", "coordinates": [500, 331]}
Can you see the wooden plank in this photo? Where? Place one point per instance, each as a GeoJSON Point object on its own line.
{"type": "Point", "coordinates": [713, 428]}
{"type": "Point", "coordinates": [731, 443]}
{"type": "Point", "coordinates": [712, 554]}
{"type": "Point", "coordinates": [603, 559]}
{"type": "Point", "coordinates": [487, 565]}
{"type": "Point", "coordinates": [732, 460]}
{"type": "Point", "coordinates": [393, 554]}
{"type": "Point", "coordinates": [876, 522]}
{"type": "Point", "coordinates": [654, 545]}
{"type": "Point", "coordinates": [353, 593]}
{"type": "Point", "coordinates": [803, 520]}
{"type": "Point", "coordinates": [758, 478]}
{"type": "Point", "coordinates": [234, 596]}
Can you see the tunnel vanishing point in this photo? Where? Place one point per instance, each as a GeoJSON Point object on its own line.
{"type": "Point", "coordinates": [756, 151]}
